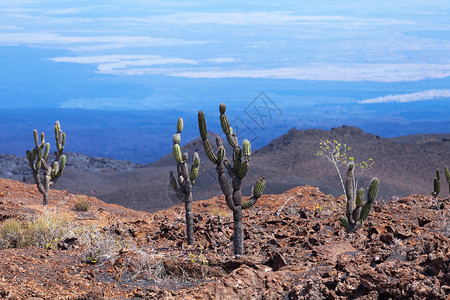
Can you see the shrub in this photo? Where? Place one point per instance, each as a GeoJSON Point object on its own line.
{"type": "Point", "coordinates": [44, 231]}
{"type": "Point", "coordinates": [82, 203]}
{"type": "Point", "coordinates": [12, 234]}
{"type": "Point", "coordinates": [48, 229]}
{"type": "Point", "coordinates": [336, 153]}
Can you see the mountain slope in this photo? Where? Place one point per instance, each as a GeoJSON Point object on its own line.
{"type": "Point", "coordinates": [404, 165]}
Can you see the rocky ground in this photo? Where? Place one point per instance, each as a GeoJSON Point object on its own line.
{"type": "Point", "coordinates": [294, 243]}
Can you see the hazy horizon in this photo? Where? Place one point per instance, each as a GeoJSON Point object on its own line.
{"type": "Point", "coordinates": [308, 65]}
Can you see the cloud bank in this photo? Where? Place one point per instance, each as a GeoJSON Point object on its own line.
{"type": "Point", "coordinates": [319, 72]}
{"type": "Point", "coordinates": [411, 97]}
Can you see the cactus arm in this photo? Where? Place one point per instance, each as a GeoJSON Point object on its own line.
{"type": "Point", "coordinates": [209, 152]}
{"type": "Point", "coordinates": [371, 196]}
{"type": "Point", "coordinates": [202, 125]}
{"type": "Point", "coordinates": [61, 166]}
{"type": "Point", "coordinates": [242, 172]}
{"type": "Point", "coordinates": [231, 138]}
{"type": "Point", "coordinates": [359, 203]}
{"type": "Point", "coordinates": [249, 203]}
{"type": "Point", "coordinates": [258, 190]}
{"type": "Point", "coordinates": [345, 224]}
{"type": "Point", "coordinates": [36, 137]}
{"type": "Point", "coordinates": [447, 177]}
{"type": "Point", "coordinates": [225, 187]}
{"type": "Point", "coordinates": [437, 187]}
{"type": "Point", "coordinates": [231, 171]}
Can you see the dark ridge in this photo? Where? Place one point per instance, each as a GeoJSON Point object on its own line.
{"type": "Point", "coordinates": [405, 165]}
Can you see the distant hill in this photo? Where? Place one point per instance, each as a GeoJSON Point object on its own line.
{"type": "Point", "coordinates": [404, 165]}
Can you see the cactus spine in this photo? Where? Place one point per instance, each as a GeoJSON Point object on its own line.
{"type": "Point", "coordinates": [437, 184]}
{"type": "Point", "coordinates": [185, 180]}
{"type": "Point", "coordinates": [237, 170]}
{"type": "Point", "coordinates": [38, 157]}
{"type": "Point", "coordinates": [356, 212]}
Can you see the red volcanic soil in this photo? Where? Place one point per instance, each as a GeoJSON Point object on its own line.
{"type": "Point", "coordinates": [294, 243]}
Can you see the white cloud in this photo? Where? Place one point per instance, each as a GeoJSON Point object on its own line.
{"type": "Point", "coordinates": [220, 60]}
{"type": "Point", "coordinates": [412, 97]}
{"type": "Point", "coordinates": [270, 18]}
{"type": "Point", "coordinates": [111, 103]}
{"type": "Point", "coordinates": [326, 72]}
{"type": "Point", "coordinates": [121, 63]}
{"type": "Point", "coordinates": [57, 39]}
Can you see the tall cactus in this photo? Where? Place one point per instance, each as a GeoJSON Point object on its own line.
{"type": "Point", "coordinates": [437, 184]}
{"type": "Point", "coordinates": [237, 169]}
{"type": "Point", "coordinates": [38, 156]}
{"type": "Point", "coordinates": [185, 181]}
{"type": "Point", "coordinates": [447, 177]}
{"type": "Point", "coordinates": [356, 213]}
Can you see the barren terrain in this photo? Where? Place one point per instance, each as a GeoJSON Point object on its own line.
{"type": "Point", "coordinates": [295, 248]}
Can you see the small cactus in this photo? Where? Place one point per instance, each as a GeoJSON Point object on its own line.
{"type": "Point", "coordinates": [437, 184]}
{"type": "Point", "coordinates": [186, 180]}
{"type": "Point", "coordinates": [356, 212]}
{"type": "Point", "coordinates": [237, 170]}
{"type": "Point", "coordinates": [38, 156]}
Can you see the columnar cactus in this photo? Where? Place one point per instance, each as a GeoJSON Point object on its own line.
{"type": "Point", "coordinates": [185, 181]}
{"type": "Point", "coordinates": [38, 156]}
{"type": "Point", "coordinates": [437, 184]}
{"type": "Point", "coordinates": [357, 213]}
{"type": "Point", "coordinates": [447, 177]}
{"type": "Point", "coordinates": [237, 169]}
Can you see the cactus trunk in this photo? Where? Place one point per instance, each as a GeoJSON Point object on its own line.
{"type": "Point", "coordinates": [189, 221]}
{"type": "Point", "coordinates": [238, 234]}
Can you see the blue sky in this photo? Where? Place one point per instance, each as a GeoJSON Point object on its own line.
{"type": "Point", "coordinates": [147, 54]}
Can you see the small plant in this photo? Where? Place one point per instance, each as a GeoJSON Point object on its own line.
{"type": "Point", "coordinates": [82, 203]}
{"type": "Point", "coordinates": [237, 169]}
{"type": "Point", "coordinates": [357, 213]}
{"type": "Point", "coordinates": [437, 184]}
{"type": "Point", "coordinates": [198, 259]}
{"type": "Point", "coordinates": [38, 156]}
{"type": "Point", "coordinates": [93, 257]}
{"type": "Point", "coordinates": [13, 234]}
{"type": "Point", "coordinates": [336, 153]}
{"type": "Point", "coordinates": [217, 212]}
{"type": "Point", "coordinates": [317, 209]}
{"type": "Point", "coordinates": [145, 265]}
{"type": "Point", "coordinates": [183, 186]}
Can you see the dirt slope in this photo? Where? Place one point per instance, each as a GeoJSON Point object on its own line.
{"type": "Point", "coordinates": [295, 249]}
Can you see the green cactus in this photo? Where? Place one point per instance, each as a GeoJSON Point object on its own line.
{"type": "Point", "coordinates": [186, 180]}
{"type": "Point", "coordinates": [38, 157]}
{"type": "Point", "coordinates": [237, 170]}
{"type": "Point", "coordinates": [437, 184]}
{"type": "Point", "coordinates": [447, 177]}
{"type": "Point", "coordinates": [356, 212]}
